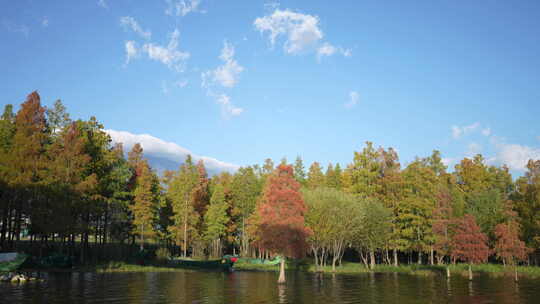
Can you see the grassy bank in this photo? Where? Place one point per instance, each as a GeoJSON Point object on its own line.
{"type": "Point", "coordinates": [494, 270]}
{"type": "Point", "coordinates": [422, 270]}
{"type": "Point", "coordinates": [125, 267]}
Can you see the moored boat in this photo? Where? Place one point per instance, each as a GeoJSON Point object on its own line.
{"type": "Point", "coordinates": [11, 261]}
{"type": "Point", "coordinates": [224, 264]}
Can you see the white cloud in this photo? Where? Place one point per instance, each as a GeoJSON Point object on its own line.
{"type": "Point", "coordinates": [301, 31]}
{"type": "Point", "coordinates": [102, 3]}
{"type": "Point", "coordinates": [447, 161]}
{"type": "Point", "coordinates": [45, 21]}
{"type": "Point", "coordinates": [486, 131]}
{"type": "Point", "coordinates": [160, 148]}
{"type": "Point", "coordinates": [131, 51]}
{"type": "Point", "coordinates": [226, 75]}
{"type": "Point", "coordinates": [516, 156]}
{"type": "Point", "coordinates": [227, 108]}
{"type": "Point", "coordinates": [129, 22]}
{"type": "Point", "coordinates": [328, 50]}
{"type": "Point", "coordinates": [170, 55]}
{"type": "Point", "coordinates": [181, 83]}
{"type": "Point", "coordinates": [457, 131]}
{"type": "Point", "coordinates": [182, 7]}
{"type": "Point", "coordinates": [353, 99]}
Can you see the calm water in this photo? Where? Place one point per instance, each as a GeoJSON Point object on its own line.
{"type": "Point", "coordinates": [261, 287]}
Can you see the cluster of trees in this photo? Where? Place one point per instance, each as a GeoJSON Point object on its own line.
{"type": "Point", "coordinates": [63, 181]}
{"type": "Point", "coordinates": [422, 210]}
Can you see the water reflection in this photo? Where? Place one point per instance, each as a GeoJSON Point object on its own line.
{"type": "Point", "coordinates": [262, 287]}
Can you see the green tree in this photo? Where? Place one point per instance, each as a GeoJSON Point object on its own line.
{"type": "Point", "coordinates": [180, 191]}
{"type": "Point", "coordinates": [246, 189]}
{"type": "Point", "coordinates": [315, 176]}
{"type": "Point", "coordinates": [375, 228]}
{"type": "Point", "coordinates": [364, 172]}
{"type": "Point", "coordinates": [333, 178]}
{"type": "Point", "coordinates": [58, 117]}
{"type": "Point", "coordinates": [299, 171]}
{"type": "Point", "coordinates": [216, 220]}
{"type": "Point", "coordinates": [331, 237]}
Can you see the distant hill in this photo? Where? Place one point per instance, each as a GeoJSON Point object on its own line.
{"type": "Point", "coordinates": [163, 155]}
{"type": "Point", "coordinates": [160, 164]}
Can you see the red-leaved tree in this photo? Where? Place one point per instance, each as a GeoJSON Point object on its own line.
{"type": "Point", "coordinates": [469, 244]}
{"type": "Point", "coordinates": [509, 247]}
{"type": "Point", "coordinates": [280, 225]}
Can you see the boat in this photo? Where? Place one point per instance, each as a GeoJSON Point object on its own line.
{"type": "Point", "coordinates": [11, 261]}
{"type": "Point", "coordinates": [275, 261]}
{"type": "Point", "coordinates": [224, 264]}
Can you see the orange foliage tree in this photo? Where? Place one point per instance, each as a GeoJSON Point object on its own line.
{"type": "Point", "coordinates": [509, 247]}
{"type": "Point", "coordinates": [469, 244]}
{"type": "Point", "coordinates": [280, 224]}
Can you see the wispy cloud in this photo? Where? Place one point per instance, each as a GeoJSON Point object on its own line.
{"type": "Point", "coordinates": [169, 150]}
{"type": "Point", "coordinates": [458, 132]}
{"type": "Point", "coordinates": [328, 50]}
{"type": "Point", "coordinates": [271, 5]}
{"type": "Point", "coordinates": [45, 21]}
{"type": "Point", "coordinates": [486, 131]}
{"type": "Point", "coordinates": [102, 4]}
{"type": "Point", "coordinates": [181, 83]}
{"type": "Point", "coordinates": [227, 75]}
{"type": "Point", "coordinates": [353, 99]}
{"type": "Point", "coordinates": [131, 51]}
{"type": "Point", "coordinates": [128, 22]}
{"type": "Point", "coordinates": [182, 7]}
{"type": "Point", "coordinates": [16, 28]}
{"type": "Point", "coordinates": [515, 156]}
{"type": "Point", "coordinates": [300, 31]}
{"type": "Point", "coordinates": [169, 55]}
{"type": "Point", "coordinates": [227, 108]}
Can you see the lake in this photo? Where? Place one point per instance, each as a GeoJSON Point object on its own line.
{"type": "Point", "coordinates": [261, 287]}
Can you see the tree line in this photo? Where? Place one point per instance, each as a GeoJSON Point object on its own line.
{"type": "Point", "coordinates": [64, 182]}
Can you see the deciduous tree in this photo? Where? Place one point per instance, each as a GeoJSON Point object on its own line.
{"type": "Point", "coordinates": [281, 211]}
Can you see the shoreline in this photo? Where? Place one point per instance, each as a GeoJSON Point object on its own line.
{"type": "Point", "coordinates": [494, 270]}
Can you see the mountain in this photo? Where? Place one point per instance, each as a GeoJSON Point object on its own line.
{"type": "Point", "coordinates": [160, 164]}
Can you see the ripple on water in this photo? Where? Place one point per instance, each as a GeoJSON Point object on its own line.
{"type": "Point", "coordinates": [261, 287]}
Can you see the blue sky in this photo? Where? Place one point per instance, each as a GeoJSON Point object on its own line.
{"type": "Point", "coordinates": [240, 81]}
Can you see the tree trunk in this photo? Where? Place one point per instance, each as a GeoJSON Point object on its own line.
{"type": "Point", "coordinates": [316, 255]}
{"type": "Point", "coordinates": [515, 272]}
{"type": "Point", "coordinates": [470, 272]}
{"type": "Point", "coordinates": [185, 239]}
{"type": "Point", "coordinates": [395, 258]}
{"type": "Point", "coordinates": [281, 279]}
{"type": "Point", "coordinates": [142, 238]}
{"type": "Point", "coordinates": [372, 258]}
{"type": "Point", "coordinates": [447, 271]}
{"type": "Point", "coordinates": [419, 257]}
{"type": "Point", "coordinates": [431, 256]}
